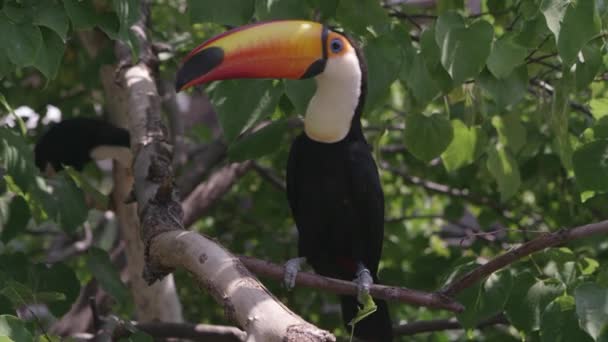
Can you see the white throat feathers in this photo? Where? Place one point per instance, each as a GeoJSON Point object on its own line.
{"type": "Point", "coordinates": [330, 111]}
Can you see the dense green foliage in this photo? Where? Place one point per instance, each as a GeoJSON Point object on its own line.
{"type": "Point", "coordinates": [489, 129]}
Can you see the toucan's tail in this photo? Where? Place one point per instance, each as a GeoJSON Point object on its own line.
{"type": "Point", "coordinates": [375, 327]}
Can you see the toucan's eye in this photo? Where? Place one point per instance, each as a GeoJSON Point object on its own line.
{"type": "Point", "coordinates": [336, 45]}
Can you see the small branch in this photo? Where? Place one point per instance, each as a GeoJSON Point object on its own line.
{"type": "Point", "coordinates": [444, 189]}
{"type": "Point", "coordinates": [419, 327]}
{"type": "Point", "coordinates": [270, 176]}
{"type": "Point", "coordinates": [207, 193]}
{"type": "Point", "coordinates": [202, 163]}
{"type": "Point", "coordinates": [191, 332]}
{"type": "Point", "coordinates": [399, 294]}
{"type": "Point", "coordinates": [550, 90]}
{"type": "Point", "coordinates": [532, 246]}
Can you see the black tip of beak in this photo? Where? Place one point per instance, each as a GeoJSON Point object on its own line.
{"type": "Point", "coordinates": [198, 65]}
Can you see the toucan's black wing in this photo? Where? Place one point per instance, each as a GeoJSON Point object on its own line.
{"type": "Point", "coordinates": [368, 201]}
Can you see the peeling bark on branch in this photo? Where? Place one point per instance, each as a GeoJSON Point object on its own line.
{"type": "Point", "coordinates": [159, 301]}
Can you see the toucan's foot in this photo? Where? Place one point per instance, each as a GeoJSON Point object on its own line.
{"type": "Point", "coordinates": [292, 267]}
{"type": "Point", "coordinates": [364, 281]}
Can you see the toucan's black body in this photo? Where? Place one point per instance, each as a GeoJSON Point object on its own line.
{"type": "Point", "coordinates": [337, 202]}
{"type": "Point", "coordinates": [71, 141]}
{"type": "Point", "coordinates": [338, 205]}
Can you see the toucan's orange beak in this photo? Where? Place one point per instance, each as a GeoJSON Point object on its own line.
{"type": "Point", "coordinates": [292, 49]}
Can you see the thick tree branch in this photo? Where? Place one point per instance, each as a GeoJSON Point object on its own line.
{"type": "Point", "coordinates": [167, 244]}
{"type": "Point", "coordinates": [404, 295]}
{"type": "Point", "coordinates": [532, 246]}
{"type": "Point", "coordinates": [191, 332]}
{"type": "Point", "coordinates": [244, 299]}
{"type": "Point", "coordinates": [207, 193]}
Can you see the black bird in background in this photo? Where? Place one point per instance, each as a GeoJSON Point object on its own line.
{"type": "Point", "coordinates": [75, 142]}
{"type": "Point", "coordinates": [333, 186]}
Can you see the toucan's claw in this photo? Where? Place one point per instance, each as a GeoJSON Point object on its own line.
{"type": "Point", "coordinates": [292, 267]}
{"type": "Point", "coordinates": [364, 281]}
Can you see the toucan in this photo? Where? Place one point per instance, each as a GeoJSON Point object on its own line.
{"type": "Point", "coordinates": [333, 186]}
{"type": "Point", "coordinates": [74, 142]}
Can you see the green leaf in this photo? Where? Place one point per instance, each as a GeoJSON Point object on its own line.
{"type": "Point", "coordinates": [138, 336]}
{"type": "Point", "coordinates": [99, 263]}
{"type": "Point", "coordinates": [419, 80]}
{"type": "Point", "coordinates": [25, 283]}
{"type": "Point", "coordinates": [73, 210]}
{"type": "Point", "coordinates": [599, 107]}
{"type": "Point", "coordinates": [590, 162]}
{"type": "Point", "coordinates": [528, 300]}
{"type": "Point", "coordinates": [57, 286]}
{"type": "Point", "coordinates": [432, 59]}
{"type": "Point", "coordinates": [485, 299]}
{"type": "Point", "coordinates": [6, 67]}
{"type": "Point", "coordinates": [19, 216]}
{"type": "Point", "coordinates": [506, 55]}
{"type": "Point", "coordinates": [554, 12]}
{"type": "Point", "coordinates": [241, 103]}
{"type": "Point", "coordinates": [505, 92]}
{"type": "Point", "coordinates": [511, 132]}
{"type": "Point", "coordinates": [327, 8]}
{"type": "Point", "coordinates": [367, 14]}
{"type": "Point", "coordinates": [299, 93]}
{"type": "Point", "coordinates": [21, 41]}
{"type": "Point", "coordinates": [369, 307]}
{"type": "Point", "coordinates": [532, 33]}
{"type": "Point", "coordinates": [464, 51]}
{"type": "Point", "coordinates": [467, 145]}
{"type": "Point", "coordinates": [18, 13]}
{"type": "Point", "coordinates": [581, 23]}
{"type": "Point", "coordinates": [592, 309]}
{"type": "Point", "coordinates": [384, 58]}
{"type": "Point", "coordinates": [14, 328]}
{"type": "Point", "coordinates": [52, 15]}
{"type": "Point", "coordinates": [51, 54]}
{"type": "Point", "coordinates": [505, 171]}
{"type": "Point", "coordinates": [282, 9]}
{"type": "Point", "coordinates": [87, 187]}
{"type": "Point", "coordinates": [427, 136]}
{"type": "Point", "coordinates": [81, 14]}
{"type": "Point", "coordinates": [6, 307]}
{"type": "Point", "coordinates": [559, 322]}
{"type": "Point", "coordinates": [445, 23]}
{"type": "Point", "coordinates": [16, 158]}
{"type": "Point", "coordinates": [561, 265]}
{"type": "Point", "coordinates": [258, 144]}
{"type": "Point", "coordinates": [227, 12]}
{"type": "Point", "coordinates": [127, 12]}
{"type": "Point", "coordinates": [588, 67]}
{"type": "Point", "coordinates": [559, 120]}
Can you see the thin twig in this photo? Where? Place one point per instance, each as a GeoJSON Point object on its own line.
{"type": "Point", "coordinates": [419, 327]}
{"type": "Point", "coordinates": [270, 176]}
{"type": "Point", "coordinates": [532, 246]}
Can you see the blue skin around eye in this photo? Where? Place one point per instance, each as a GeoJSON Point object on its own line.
{"type": "Point", "coordinates": [336, 45]}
